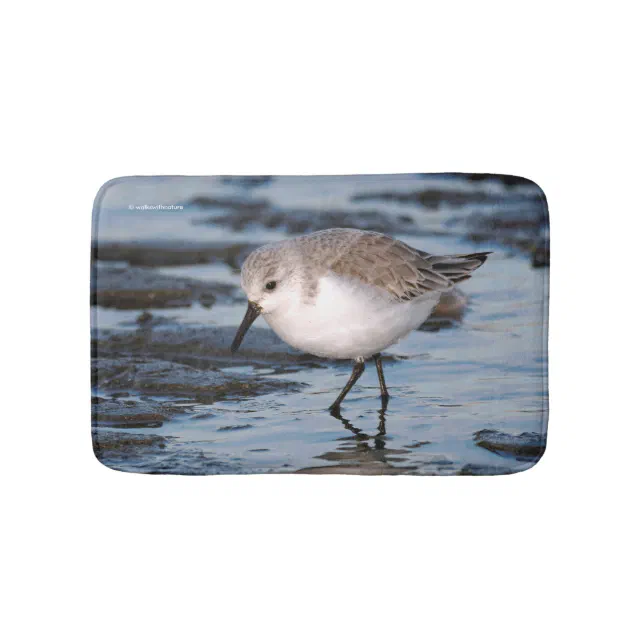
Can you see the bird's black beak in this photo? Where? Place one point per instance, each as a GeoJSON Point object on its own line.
{"type": "Point", "coordinates": [252, 313]}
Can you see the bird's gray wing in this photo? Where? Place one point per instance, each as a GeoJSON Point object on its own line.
{"type": "Point", "coordinates": [399, 269]}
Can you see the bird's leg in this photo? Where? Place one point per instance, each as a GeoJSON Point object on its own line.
{"type": "Point", "coordinates": [384, 394]}
{"type": "Point", "coordinates": [358, 368]}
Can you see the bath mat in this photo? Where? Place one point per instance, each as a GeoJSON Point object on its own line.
{"type": "Point", "coordinates": [359, 324]}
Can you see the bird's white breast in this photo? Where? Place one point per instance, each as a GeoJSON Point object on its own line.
{"type": "Point", "coordinates": [348, 319]}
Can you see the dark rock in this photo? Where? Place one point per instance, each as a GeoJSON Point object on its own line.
{"type": "Point", "coordinates": [430, 198]}
{"type": "Point", "coordinates": [513, 211]}
{"type": "Point", "coordinates": [116, 413]}
{"type": "Point", "coordinates": [201, 346]}
{"type": "Point", "coordinates": [434, 325]}
{"type": "Point", "coordinates": [139, 299]}
{"type": "Point", "coordinates": [528, 446]}
{"type": "Point", "coordinates": [250, 181]}
{"type": "Point", "coordinates": [417, 444]}
{"type": "Point", "coordinates": [517, 190]}
{"type": "Point", "coordinates": [540, 257]}
{"type": "Point", "coordinates": [161, 377]}
{"type": "Point", "coordinates": [177, 254]}
{"type": "Point", "coordinates": [147, 321]}
{"type": "Point", "coordinates": [541, 250]}
{"type": "Point", "coordinates": [299, 222]}
{"type": "Point", "coordinates": [472, 469]}
{"type": "Point", "coordinates": [233, 428]}
{"type": "Point", "coordinates": [110, 444]}
{"type": "Point", "coordinates": [516, 229]}
{"type": "Point", "coordinates": [145, 318]}
{"type": "Point", "coordinates": [153, 454]}
{"type": "Point", "coordinates": [506, 179]}
{"type": "Point", "coordinates": [140, 288]}
{"type": "Point", "coordinates": [448, 312]}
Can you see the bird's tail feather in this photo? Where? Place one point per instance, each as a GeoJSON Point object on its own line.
{"type": "Point", "coordinates": [457, 268]}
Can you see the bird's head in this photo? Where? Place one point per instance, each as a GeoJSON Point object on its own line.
{"type": "Point", "coordinates": [270, 283]}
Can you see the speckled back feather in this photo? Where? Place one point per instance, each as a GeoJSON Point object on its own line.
{"type": "Point", "coordinates": [387, 263]}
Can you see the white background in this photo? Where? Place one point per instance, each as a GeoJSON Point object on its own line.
{"type": "Point", "coordinates": [545, 90]}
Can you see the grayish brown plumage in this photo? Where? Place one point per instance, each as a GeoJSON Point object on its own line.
{"type": "Point", "coordinates": [373, 258]}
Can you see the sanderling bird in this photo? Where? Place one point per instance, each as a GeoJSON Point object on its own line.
{"type": "Point", "coordinates": [345, 293]}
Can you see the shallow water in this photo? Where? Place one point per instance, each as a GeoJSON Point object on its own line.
{"type": "Point", "coordinates": [486, 372]}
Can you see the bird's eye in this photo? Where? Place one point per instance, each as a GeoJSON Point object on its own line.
{"type": "Point", "coordinates": [270, 286]}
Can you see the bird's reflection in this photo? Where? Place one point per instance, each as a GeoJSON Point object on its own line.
{"type": "Point", "coordinates": [380, 439]}
{"type": "Point", "coordinates": [362, 453]}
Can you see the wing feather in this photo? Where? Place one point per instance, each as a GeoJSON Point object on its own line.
{"type": "Point", "coordinates": [403, 271]}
